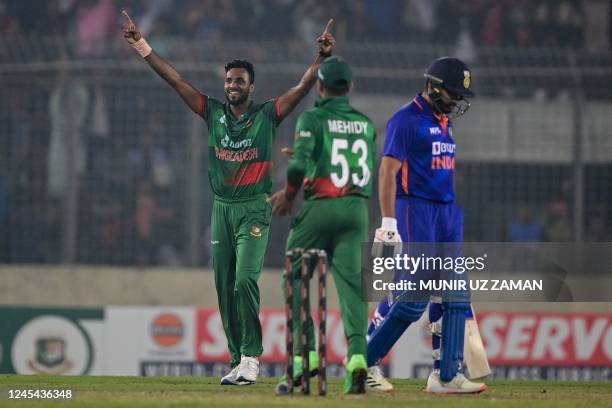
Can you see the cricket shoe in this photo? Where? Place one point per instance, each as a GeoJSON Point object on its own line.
{"type": "Point", "coordinates": [230, 379]}
{"type": "Point", "coordinates": [298, 368]}
{"type": "Point", "coordinates": [376, 381]}
{"type": "Point", "coordinates": [356, 374]}
{"type": "Point", "coordinates": [458, 385]}
{"type": "Point", "coordinates": [247, 370]}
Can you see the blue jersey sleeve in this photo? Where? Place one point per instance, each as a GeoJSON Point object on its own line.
{"type": "Point", "coordinates": [398, 139]}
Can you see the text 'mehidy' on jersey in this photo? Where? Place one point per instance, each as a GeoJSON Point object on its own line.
{"type": "Point", "coordinates": [423, 142]}
{"type": "Point", "coordinates": [337, 144]}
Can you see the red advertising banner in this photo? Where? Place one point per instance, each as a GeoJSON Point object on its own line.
{"type": "Point", "coordinates": [547, 339]}
{"type": "Point", "coordinates": [211, 345]}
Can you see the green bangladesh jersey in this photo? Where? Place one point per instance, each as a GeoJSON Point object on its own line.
{"type": "Point", "coordinates": [240, 149]}
{"type": "Point", "coordinates": [334, 151]}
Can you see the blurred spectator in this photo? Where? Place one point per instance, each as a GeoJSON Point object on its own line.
{"type": "Point", "coordinates": [310, 18]}
{"type": "Point", "coordinates": [29, 233]}
{"type": "Point", "coordinates": [5, 236]}
{"type": "Point", "coordinates": [387, 18]}
{"type": "Point", "coordinates": [8, 22]}
{"type": "Point", "coordinates": [420, 18]}
{"type": "Point", "coordinates": [155, 10]}
{"type": "Point", "coordinates": [357, 24]}
{"type": "Point", "coordinates": [96, 22]}
{"type": "Point", "coordinates": [518, 24]}
{"type": "Point", "coordinates": [559, 223]}
{"type": "Point", "coordinates": [276, 19]}
{"type": "Point", "coordinates": [524, 227]}
{"type": "Point", "coordinates": [597, 19]}
{"type": "Point", "coordinates": [68, 109]}
{"type": "Point", "coordinates": [559, 23]}
{"type": "Point", "coordinates": [492, 30]}
{"type": "Point", "coordinates": [148, 162]}
{"type": "Point", "coordinates": [107, 226]}
{"type": "Point", "coordinates": [465, 48]}
{"type": "Point", "coordinates": [448, 15]}
{"type": "Point", "coordinates": [598, 229]}
{"type": "Point", "coordinates": [206, 19]}
{"type": "Point", "coordinates": [146, 217]}
{"type": "Point", "coordinates": [570, 23]}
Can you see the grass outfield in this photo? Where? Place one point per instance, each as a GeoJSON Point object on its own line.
{"type": "Point", "coordinates": [205, 392]}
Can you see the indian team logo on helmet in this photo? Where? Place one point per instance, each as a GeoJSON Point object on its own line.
{"type": "Point", "coordinates": [466, 79]}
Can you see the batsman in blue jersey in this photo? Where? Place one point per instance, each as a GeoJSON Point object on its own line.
{"type": "Point", "coordinates": [417, 201]}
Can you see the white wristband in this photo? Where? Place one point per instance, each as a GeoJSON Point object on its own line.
{"type": "Point", "coordinates": [389, 224]}
{"type": "Point", "coordinates": [143, 48]}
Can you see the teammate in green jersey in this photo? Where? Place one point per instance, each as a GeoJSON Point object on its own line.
{"type": "Point", "coordinates": [333, 159]}
{"type": "Point", "coordinates": [241, 134]}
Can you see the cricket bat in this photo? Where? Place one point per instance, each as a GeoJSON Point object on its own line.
{"type": "Point", "coordinates": [474, 352]}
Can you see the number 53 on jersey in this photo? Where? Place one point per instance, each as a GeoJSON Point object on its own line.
{"type": "Point", "coordinates": [340, 151]}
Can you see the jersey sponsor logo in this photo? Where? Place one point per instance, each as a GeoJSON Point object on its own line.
{"type": "Point", "coordinates": [435, 131]}
{"type": "Point", "coordinates": [438, 148]}
{"type": "Point", "coordinates": [347, 126]}
{"type": "Point", "coordinates": [304, 133]}
{"type": "Point", "coordinates": [232, 156]}
{"type": "Point", "coordinates": [227, 142]}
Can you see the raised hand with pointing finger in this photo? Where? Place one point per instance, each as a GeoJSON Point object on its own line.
{"type": "Point", "coordinates": [130, 31]}
{"type": "Point", "coordinates": [326, 40]}
{"type": "Point", "coordinates": [289, 100]}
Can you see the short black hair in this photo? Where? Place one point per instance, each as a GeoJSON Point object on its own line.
{"type": "Point", "coordinates": [340, 90]}
{"type": "Point", "coordinates": [237, 63]}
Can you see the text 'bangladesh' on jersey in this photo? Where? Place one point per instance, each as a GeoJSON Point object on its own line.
{"type": "Point", "coordinates": [335, 147]}
{"type": "Point", "coordinates": [240, 149]}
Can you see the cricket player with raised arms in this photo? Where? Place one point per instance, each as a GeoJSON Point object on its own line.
{"type": "Point", "coordinates": [417, 202]}
{"type": "Point", "coordinates": [240, 138]}
{"type": "Point", "coordinates": [334, 162]}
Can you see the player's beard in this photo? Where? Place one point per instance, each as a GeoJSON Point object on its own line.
{"type": "Point", "coordinates": [438, 104]}
{"type": "Point", "coordinates": [239, 101]}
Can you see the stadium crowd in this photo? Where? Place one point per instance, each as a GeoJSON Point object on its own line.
{"type": "Point", "coordinates": [523, 23]}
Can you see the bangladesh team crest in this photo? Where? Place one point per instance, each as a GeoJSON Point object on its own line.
{"type": "Point", "coordinates": [256, 231]}
{"type": "Point", "coordinates": [52, 344]}
{"type": "Point", "coordinates": [50, 356]}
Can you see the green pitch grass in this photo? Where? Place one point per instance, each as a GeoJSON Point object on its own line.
{"type": "Point", "coordinates": [153, 392]}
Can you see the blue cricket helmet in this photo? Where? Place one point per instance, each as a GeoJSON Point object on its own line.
{"type": "Point", "coordinates": [451, 74]}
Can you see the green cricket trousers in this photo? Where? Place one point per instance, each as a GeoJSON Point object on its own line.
{"type": "Point", "coordinates": [340, 227]}
{"type": "Point", "coordinates": [239, 238]}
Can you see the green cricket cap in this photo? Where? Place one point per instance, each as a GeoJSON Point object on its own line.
{"type": "Point", "coordinates": [335, 72]}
